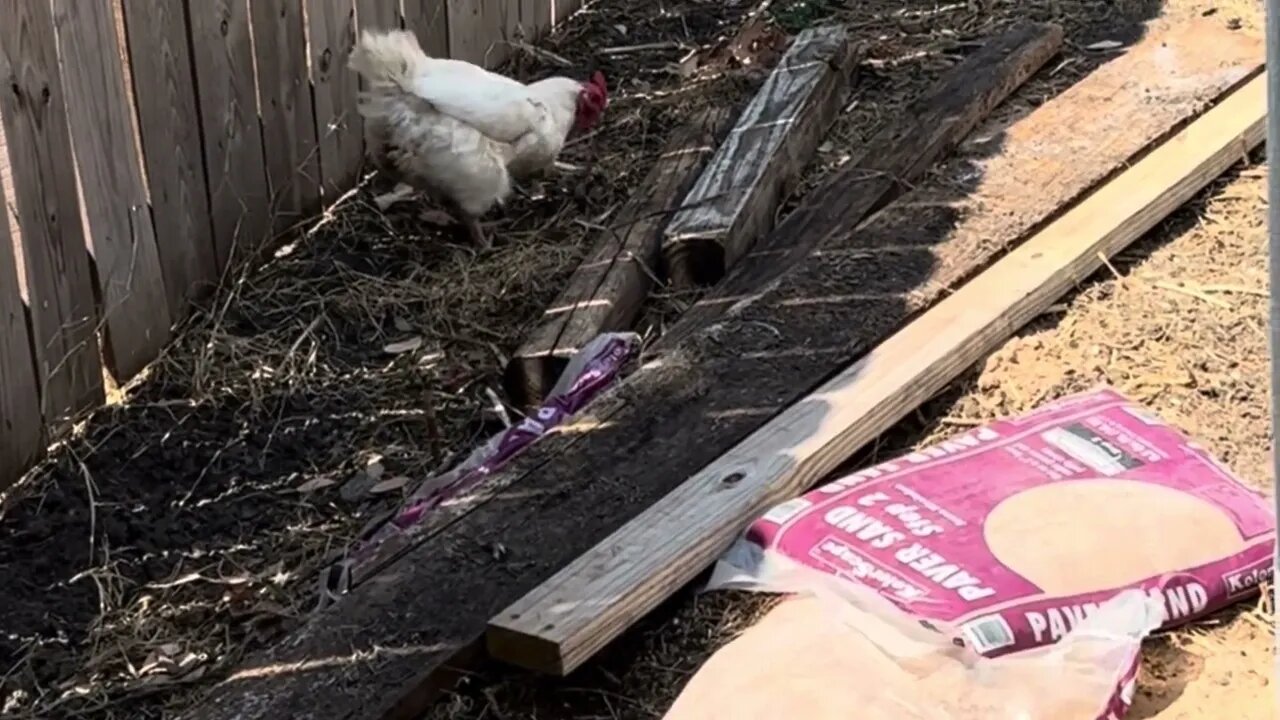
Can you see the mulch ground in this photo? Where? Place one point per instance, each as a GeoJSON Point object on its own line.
{"type": "Point", "coordinates": [186, 523]}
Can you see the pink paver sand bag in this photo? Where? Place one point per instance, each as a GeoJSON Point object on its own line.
{"type": "Point", "coordinates": [1010, 535]}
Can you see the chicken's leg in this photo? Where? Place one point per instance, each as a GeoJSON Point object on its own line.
{"type": "Point", "coordinates": [477, 233]}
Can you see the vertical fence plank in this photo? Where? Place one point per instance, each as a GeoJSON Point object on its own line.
{"type": "Point", "coordinates": [288, 113]}
{"type": "Point", "coordinates": [535, 18]}
{"type": "Point", "coordinates": [169, 126]}
{"type": "Point", "coordinates": [134, 303]}
{"type": "Point", "coordinates": [20, 423]}
{"type": "Point", "coordinates": [338, 127]}
{"type": "Point", "coordinates": [239, 198]}
{"type": "Point", "coordinates": [429, 20]}
{"type": "Point", "coordinates": [59, 285]}
{"type": "Point", "coordinates": [477, 31]}
{"type": "Point", "coordinates": [378, 14]}
{"type": "Point", "coordinates": [562, 9]}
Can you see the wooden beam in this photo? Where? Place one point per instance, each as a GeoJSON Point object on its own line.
{"type": "Point", "coordinates": [64, 319]}
{"type": "Point", "coordinates": [570, 617]}
{"type": "Point", "coordinates": [734, 200]}
{"type": "Point", "coordinates": [609, 286]}
{"type": "Point", "coordinates": [379, 651]}
{"type": "Point", "coordinates": [135, 304]}
{"type": "Point", "coordinates": [890, 162]}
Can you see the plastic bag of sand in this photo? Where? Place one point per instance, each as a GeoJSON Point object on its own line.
{"type": "Point", "coordinates": [828, 658]}
{"type": "Point", "coordinates": [1010, 535]}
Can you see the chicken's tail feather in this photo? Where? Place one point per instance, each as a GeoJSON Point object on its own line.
{"type": "Point", "coordinates": [388, 58]}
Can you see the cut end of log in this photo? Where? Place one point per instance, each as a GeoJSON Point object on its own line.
{"type": "Point", "coordinates": [523, 650]}
{"type": "Point", "coordinates": [529, 378]}
{"type": "Point", "coordinates": [694, 261]}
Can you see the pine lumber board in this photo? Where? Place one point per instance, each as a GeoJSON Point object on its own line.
{"type": "Point", "coordinates": [608, 287]}
{"type": "Point", "coordinates": [734, 200]}
{"type": "Point", "coordinates": [380, 651]}
{"type": "Point", "coordinates": [576, 613]}
{"type": "Point", "coordinates": [891, 161]}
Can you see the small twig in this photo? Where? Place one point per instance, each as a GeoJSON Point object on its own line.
{"type": "Point", "coordinates": [642, 47]}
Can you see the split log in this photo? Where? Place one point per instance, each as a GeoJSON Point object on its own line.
{"type": "Point", "coordinates": [576, 613]}
{"type": "Point", "coordinates": [380, 652]}
{"type": "Point", "coordinates": [608, 288]}
{"type": "Point", "coordinates": [891, 161]}
{"type": "Point", "coordinates": [734, 200]}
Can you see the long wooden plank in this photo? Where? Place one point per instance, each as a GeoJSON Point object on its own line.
{"type": "Point", "coordinates": [891, 161]}
{"type": "Point", "coordinates": [429, 20]}
{"type": "Point", "coordinates": [287, 109]}
{"type": "Point", "coordinates": [608, 287]}
{"type": "Point", "coordinates": [54, 256]}
{"type": "Point", "coordinates": [573, 615]}
{"type": "Point", "coordinates": [21, 427]}
{"type": "Point", "coordinates": [240, 198]}
{"type": "Point", "coordinates": [535, 18]}
{"type": "Point", "coordinates": [734, 201]}
{"type": "Point", "coordinates": [338, 127]}
{"type": "Point", "coordinates": [135, 304]}
{"type": "Point", "coordinates": [169, 129]}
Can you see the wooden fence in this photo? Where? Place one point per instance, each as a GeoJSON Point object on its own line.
{"type": "Point", "coordinates": [143, 142]}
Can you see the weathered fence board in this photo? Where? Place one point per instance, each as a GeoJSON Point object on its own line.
{"type": "Point", "coordinates": [429, 20]}
{"type": "Point", "coordinates": [287, 110]}
{"type": "Point", "coordinates": [535, 17]}
{"type": "Point", "coordinates": [20, 426]}
{"type": "Point", "coordinates": [239, 197]}
{"type": "Point", "coordinates": [338, 127]}
{"type": "Point", "coordinates": [58, 280]}
{"type": "Point", "coordinates": [113, 191]}
{"type": "Point", "coordinates": [477, 30]}
{"type": "Point", "coordinates": [169, 129]}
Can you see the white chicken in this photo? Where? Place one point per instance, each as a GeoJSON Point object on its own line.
{"type": "Point", "coordinates": [459, 132]}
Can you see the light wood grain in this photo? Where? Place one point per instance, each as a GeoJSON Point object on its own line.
{"type": "Point", "coordinates": [240, 198]}
{"type": "Point", "coordinates": [20, 423]}
{"type": "Point", "coordinates": [339, 129]}
{"type": "Point", "coordinates": [429, 20]}
{"type": "Point", "coordinates": [54, 255]}
{"type": "Point", "coordinates": [287, 109]}
{"type": "Point", "coordinates": [535, 18]}
{"type": "Point", "coordinates": [113, 191]}
{"type": "Point", "coordinates": [169, 129]}
{"type": "Point", "coordinates": [564, 621]}
{"type": "Point", "coordinates": [735, 199]}
{"type": "Point", "coordinates": [608, 287]}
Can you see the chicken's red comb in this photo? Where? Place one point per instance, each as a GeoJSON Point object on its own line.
{"type": "Point", "coordinates": [597, 79]}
